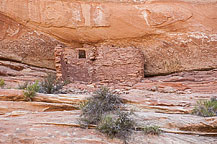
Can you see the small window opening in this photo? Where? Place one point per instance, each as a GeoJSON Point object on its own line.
{"type": "Point", "coordinates": [81, 54]}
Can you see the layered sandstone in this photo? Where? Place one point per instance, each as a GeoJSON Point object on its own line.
{"type": "Point", "coordinates": [173, 35]}
{"type": "Point", "coordinates": [124, 40]}
{"type": "Point", "coordinates": [20, 44]}
{"type": "Point", "coordinates": [53, 118]}
{"type": "Point", "coordinates": [16, 74]}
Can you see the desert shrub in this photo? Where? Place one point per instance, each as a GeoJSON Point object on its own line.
{"type": "Point", "coordinates": [206, 108]}
{"type": "Point", "coordinates": [50, 85]}
{"type": "Point", "coordinates": [2, 83]}
{"type": "Point", "coordinates": [154, 130]}
{"type": "Point", "coordinates": [24, 86]}
{"type": "Point", "coordinates": [107, 125]}
{"type": "Point", "coordinates": [30, 91]}
{"type": "Point", "coordinates": [102, 102]}
{"type": "Point", "coordinates": [103, 110]}
{"type": "Point", "coordinates": [120, 126]}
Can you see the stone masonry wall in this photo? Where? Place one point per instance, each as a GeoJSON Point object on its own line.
{"type": "Point", "coordinates": [104, 64]}
{"type": "Point", "coordinates": [119, 64]}
{"type": "Point", "coordinates": [75, 69]}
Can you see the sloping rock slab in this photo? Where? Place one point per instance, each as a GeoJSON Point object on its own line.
{"type": "Point", "coordinates": [61, 127]}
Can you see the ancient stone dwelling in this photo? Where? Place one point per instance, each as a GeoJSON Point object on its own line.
{"type": "Point", "coordinates": [106, 64]}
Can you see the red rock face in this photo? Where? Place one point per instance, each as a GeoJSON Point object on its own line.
{"type": "Point", "coordinates": [173, 35]}
{"type": "Point", "coordinates": [21, 44]}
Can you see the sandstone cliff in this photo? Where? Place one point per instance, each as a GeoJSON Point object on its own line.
{"type": "Point", "coordinates": [148, 37]}
{"type": "Point", "coordinates": [173, 35]}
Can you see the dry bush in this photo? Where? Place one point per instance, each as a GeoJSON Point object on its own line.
{"type": "Point", "coordinates": [102, 102]}
{"type": "Point", "coordinates": [120, 126]}
{"type": "Point", "coordinates": [50, 85]}
{"type": "Point", "coordinates": [206, 108]}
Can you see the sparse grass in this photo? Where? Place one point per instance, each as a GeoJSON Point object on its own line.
{"type": "Point", "coordinates": [2, 83]}
{"type": "Point", "coordinates": [206, 108]}
{"type": "Point", "coordinates": [154, 130]}
{"type": "Point", "coordinates": [30, 91]}
{"type": "Point", "coordinates": [102, 102]}
{"type": "Point", "coordinates": [50, 85]}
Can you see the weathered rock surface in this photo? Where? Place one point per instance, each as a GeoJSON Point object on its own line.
{"type": "Point", "coordinates": [78, 20]}
{"type": "Point", "coordinates": [21, 44]}
{"type": "Point", "coordinates": [16, 73]}
{"type": "Point", "coordinates": [53, 118]}
{"type": "Point", "coordinates": [183, 82]}
{"type": "Point", "coordinates": [173, 35]}
{"type": "Point", "coordinates": [61, 127]}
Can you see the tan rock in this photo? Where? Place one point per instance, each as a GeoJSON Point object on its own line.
{"type": "Point", "coordinates": [17, 95]}
{"type": "Point", "coordinates": [21, 44]}
{"type": "Point", "coordinates": [16, 74]}
{"type": "Point", "coordinates": [62, 127]}
{"type": "Point", "coordinates": [183, 82]}
{"type": "Point", "coordinates": [53, 118]}
{"type": "Point", "coordinates": [173, 35]}
{"type": "Point", "coordinates": [21, 108]}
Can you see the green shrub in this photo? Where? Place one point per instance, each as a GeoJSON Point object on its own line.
{"type": "Point", "coordinates": [2, 83]}
{"type": "Point", "coordinates": [206, 108]}
{"type": "Point", "coordinates": [102, 102]}
{"type": "Point", "coordinates": [120, 127]}
{"type": "Point", "coordinates": [50, 85]}
{"type": "Point", "coordinates": [30, 91]}
{"type": "Point", "coordinates": [154, 130]}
